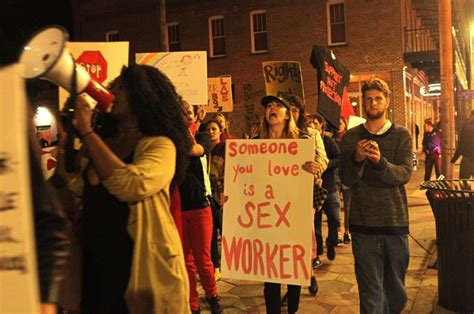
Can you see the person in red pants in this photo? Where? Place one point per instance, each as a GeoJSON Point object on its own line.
{"type": "Point", "coordinates": [197, 219]}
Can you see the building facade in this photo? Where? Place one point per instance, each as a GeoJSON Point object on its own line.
{"type": "Point", "coordinates": [372, 38]}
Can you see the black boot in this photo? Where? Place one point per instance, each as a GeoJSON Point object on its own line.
{"type": "Point", "coordinates": [330, 251]}
{"type": "Point", "coordinates": [314, 287]}
{"type": "Point", "coordinates": [214, 304]}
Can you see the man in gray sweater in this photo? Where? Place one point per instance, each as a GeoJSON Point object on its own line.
{"type": "Point", "coordinates": [376, 162]}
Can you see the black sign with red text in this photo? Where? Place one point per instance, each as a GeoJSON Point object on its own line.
{"type": "Point", "coordinates": [332, 78]}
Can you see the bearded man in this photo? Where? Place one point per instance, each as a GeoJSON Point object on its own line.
{"type": "Point", "coordinates": [376, 162]}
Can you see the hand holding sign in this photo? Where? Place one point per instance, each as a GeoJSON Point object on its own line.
{"type": "Point", "coordinates": [313, 167]}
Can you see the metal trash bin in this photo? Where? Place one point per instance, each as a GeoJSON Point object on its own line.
{"type": "Point", "coordinates": [452, 202]}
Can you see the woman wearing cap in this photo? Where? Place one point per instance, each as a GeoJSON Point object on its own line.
{"type": "Point", "coordinates": [278, 123]}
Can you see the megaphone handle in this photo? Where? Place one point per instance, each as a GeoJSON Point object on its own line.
{"type": "Point", "coordinates": [70, 153]}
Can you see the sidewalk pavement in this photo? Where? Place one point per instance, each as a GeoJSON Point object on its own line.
{"type": "Point", "coordinates": [338, 292]}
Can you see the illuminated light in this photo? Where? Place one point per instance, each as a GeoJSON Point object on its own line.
{"type": "Point", "coordinates": [354, 104]}
{"type": "Point", "coordinates": [431, 90]}
{"type": "Point", "coordinates": [43, 116]}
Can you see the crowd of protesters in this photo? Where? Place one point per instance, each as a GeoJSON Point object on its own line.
{"type": "Point", "coordinates": [148, 191]}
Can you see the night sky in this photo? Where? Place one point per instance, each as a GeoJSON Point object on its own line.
{"type": "Point", "coordinates": [21, 18]}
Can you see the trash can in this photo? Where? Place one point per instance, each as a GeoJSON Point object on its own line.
{"type": "Point", "coordinates": [452, 202]}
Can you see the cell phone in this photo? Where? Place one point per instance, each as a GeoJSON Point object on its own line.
{"type": "Point", "coordinates": [371, 139]}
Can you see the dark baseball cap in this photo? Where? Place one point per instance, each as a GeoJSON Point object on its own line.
{"type": "Point", "coordinates": [269, 98]}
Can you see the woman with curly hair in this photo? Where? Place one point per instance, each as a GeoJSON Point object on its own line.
{"type": "Point", "coordinates": [133, 258]}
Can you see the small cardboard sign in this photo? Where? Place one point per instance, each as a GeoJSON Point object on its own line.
{"type": "Point", "coordinates": [283, 78]}
{"type": "Point", "coordinates": [219, 94]}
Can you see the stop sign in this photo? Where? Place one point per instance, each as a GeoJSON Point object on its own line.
{"type": "Point", "coordinates": [95, 64]}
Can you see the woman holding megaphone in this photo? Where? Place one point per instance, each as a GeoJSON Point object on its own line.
{"type": "Point", "coordinates": [133, 259]}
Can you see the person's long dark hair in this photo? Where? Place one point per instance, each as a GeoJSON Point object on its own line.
{"type": "Point", "coordinates": [296, 101]}
{"type": "Point", "coordinates": [158, 109]}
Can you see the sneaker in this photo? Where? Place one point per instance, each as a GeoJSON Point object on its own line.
{"type": "Point", "coordinates": [339, 242]}
{"type": "Point", "coordinates": [347, 238]}
{"type": "Point", "coordinates": [317, 262]}
{"type": "Point", "coordinates": [314, 287]}
{"type": "Point", "coordinates": [331, 251]}
{"type": "Point", "coordinates": [215, 305]}
{"type": "Point", "coordinates": [217, 274]}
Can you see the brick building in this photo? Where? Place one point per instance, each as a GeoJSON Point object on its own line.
{"type": "Point", "coordinates": [383, 38]}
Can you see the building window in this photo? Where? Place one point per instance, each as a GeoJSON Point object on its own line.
{"type": "Point", "coordinates": [112, 36]}
{"type": "Point", "coordinates": [173, 37]}
{"type": "Point", "coordinates": [216, 36]}
{"type": "Point", "coordinates": [258, 31]}
{"type": "Point", "coordinates": [336, 17]}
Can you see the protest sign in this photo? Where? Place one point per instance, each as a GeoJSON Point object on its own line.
{"type": "Point", "coordinates": [18, 275]}
{"type": "Point", "coordinates": [268, 216]}
{"type": "Point", "coordinates": [283, 78]}
{"type": "Point", "coordinates": [253, 94]}
{"type": "Point", "coordinates": [102, 60]}
{"type": "Point", "coordinates": [219, 94]}
{"type": "Point", "coordinates": [187, 70]}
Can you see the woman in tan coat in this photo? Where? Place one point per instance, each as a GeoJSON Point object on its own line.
{"type": "Point", "coordinates": [133, 258]}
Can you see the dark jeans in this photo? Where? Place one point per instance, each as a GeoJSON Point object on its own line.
{"type": "Point", "coordinates": [216, 228]}
{"type": "Point", "coordinates": [430, 161]}
{"type": "Point", "coordinates": [272, 293]}
{"type": "Point", "coordinates": [331, 208]}
{"type": "Point", "coordinates": [346, 198]}
{"type": "Point", "coordinates": [381, 262]}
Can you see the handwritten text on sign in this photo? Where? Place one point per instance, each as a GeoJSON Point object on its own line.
{"type": "Point", "coordinates": [219, 94]}
{"type": "Point", "coordinates": [333, 80]}
{"type": "Point", "coordinates": [283, 78]}
{"type": "Point", "coordinates": [268, 215]}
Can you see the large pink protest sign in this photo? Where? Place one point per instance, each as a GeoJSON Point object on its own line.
{"type": "Point", "coordinates": [268, 215]}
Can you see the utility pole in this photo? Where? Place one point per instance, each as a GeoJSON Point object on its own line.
{"type": "Point", "coordinates": [447, 88]}
{"type": "Point", "coordinates": [163, 29]}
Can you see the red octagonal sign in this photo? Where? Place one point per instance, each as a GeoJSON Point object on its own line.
{"type": "Point", "coordinates": [95, 64]}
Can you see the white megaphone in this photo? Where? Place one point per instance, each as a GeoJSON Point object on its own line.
{"type": "Point", "coordinates": [45, 56]}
